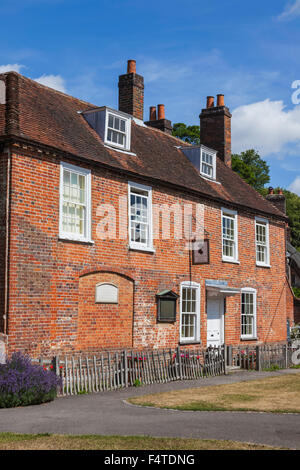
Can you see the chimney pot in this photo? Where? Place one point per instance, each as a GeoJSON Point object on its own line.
{"type": "Point", "coordinates": [280, 191]}
{"type": "Point", "coordinates": [271, 190]}
{"type": "Point", "coordinates": [210, 102]}
{"type": "Point", "coordinates": [152, 116]}
{"type": "Point", "coordinates": [131, 66]}
{"type": "Point", "coordinates": [160, 111]}
{"type": "Point", "coordinates": [220, 100]}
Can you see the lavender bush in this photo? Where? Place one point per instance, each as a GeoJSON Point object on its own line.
{"type": "Point", "coordinates": [22, 383]}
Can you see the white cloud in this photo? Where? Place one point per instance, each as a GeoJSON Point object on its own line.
{"type": "Point", "coordinates": [11, 68]}
{"type": "Point", "coordinates": [266, 126]}
{"type": "Point", "coordinates": [291, 11]}
{"type": "Point", "coordinates": [295, 186]}
{"type": "Point", "coordinates": [52, 81]}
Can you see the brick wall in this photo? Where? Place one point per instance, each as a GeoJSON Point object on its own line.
{"type": "Point", "coordinates": [51, 308]}
{"type": "Point", "coordinates": [3, 179]}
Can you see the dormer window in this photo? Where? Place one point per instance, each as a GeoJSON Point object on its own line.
{"type": "Point", "coordinates": [208, 163]}
{"type": "Point", "coordinates": [203, 159]}
{"type": "Point", "coordinates": [114, 127]}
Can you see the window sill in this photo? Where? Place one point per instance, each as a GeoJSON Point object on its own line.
{"type": "Point", "coordinates": [230, 261]}
{"type": "Point", "coordinates": [254, 338]}
{"type": "Point", "coordinates": [141, 248]}
{"type": "Point", "coordinates": [75, 240]}
{"type": "Point", "coordinates": [186, 343]}
{"type": "Point", "coordinates": [207, 178]}
{"type": "Point", "coordinates": [119, 149]}
{"type": "Point", "coordinates": [263, 265]}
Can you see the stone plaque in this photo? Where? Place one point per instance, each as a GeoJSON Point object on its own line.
{"type": "Point", "coordinates": [107, 294]}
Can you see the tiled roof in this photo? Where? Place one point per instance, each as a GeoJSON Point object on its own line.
{"type": "Point", "coordinates": [49, 117]}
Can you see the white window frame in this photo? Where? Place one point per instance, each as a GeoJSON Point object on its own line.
{"type": "Point", "coordinates": [196, 338]}
{"type": "Point", "coordinates": [133, 244]}
{"type": "Point", "coordinates": [127, 129]}
{"type": "Point", "coordinates": [265, 222]}
{"type": "Point", "coordinates": [87, 174]}
{"type": "Point", "coordinates": [214, 155]}
{"type": "Point", "coordinates": [250, 290]}
{"type": "Point", "coordinates": [234, 215]}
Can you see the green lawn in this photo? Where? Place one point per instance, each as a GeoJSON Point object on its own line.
{"type": "Point", "coordinates": [10, 441]}
{"type": "Point", "coordinates": [274, 394]}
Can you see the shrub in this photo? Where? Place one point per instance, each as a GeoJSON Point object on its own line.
{"type": "Point", "coordinates": [22, 383]}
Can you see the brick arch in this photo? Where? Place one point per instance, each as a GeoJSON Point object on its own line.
{"type": "Point", "coordinates": [107, 269]}
{"type": "Point", "coordinates": [104, 325]}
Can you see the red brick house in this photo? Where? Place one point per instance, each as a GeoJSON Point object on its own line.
{"type": "Point", "coordinates": [99, 214]}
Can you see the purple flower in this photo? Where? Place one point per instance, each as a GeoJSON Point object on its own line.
{"type": "Point", "coordinates": [23, 383]}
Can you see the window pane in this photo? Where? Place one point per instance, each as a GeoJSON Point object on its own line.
{"type": "Point", "coordinates": [248, 314]}
{"type": "Point", "coordinates": [116, 131]}
{"type": "Point", "coordinates": [261, 243]}
{"type": "Point", "coordinates": [110, 121]}
{"type": "Point", "coordinates": [139, 218]}
{"type": "Point", "coordinates": [228, 229]}
{"type": "Point", "coordinates": [74, 200]}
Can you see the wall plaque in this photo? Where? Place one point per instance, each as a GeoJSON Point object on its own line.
{"type": "Point", "coordinates": [200, 252]}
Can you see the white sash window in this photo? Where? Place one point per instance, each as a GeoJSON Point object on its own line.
{"type": "Point", "coordinates": [75, 186]}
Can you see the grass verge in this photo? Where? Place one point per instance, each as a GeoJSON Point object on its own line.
{"type": "Point", "coordinates": [273, 395]}
{"type": "Point", "coordinates": [10, 441]}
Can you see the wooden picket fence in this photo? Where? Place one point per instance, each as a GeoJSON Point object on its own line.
{"type": "Point", "coordinates": [260, 357]}
{"type": "Point", "coordinates": [112, 371]}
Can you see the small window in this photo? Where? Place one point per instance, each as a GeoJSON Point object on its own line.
{"type": "Point", "coordinates": [166, 306]}
{"type": "Point", "coordinates": [229, 236]}
{"type": "Point", "coordinates": [262, 242]}
{"type": "Point", "coordinates": [208, 163]}
{"type": "Point", "coordinates": [248, 313]}
{"type": "Point", "coordinates": [107, 293]}
{"type": "Point", "coordinates": [117, 130]}
{"type": "Point", "coordinates": [75, 187]}
{"type": "Point", "coordinates": [140, 216]}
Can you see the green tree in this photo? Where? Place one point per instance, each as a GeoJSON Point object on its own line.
{"type": "Point", "coordinates": [293, 213]}
{"type": "Point", "coordinates": [252, 168]}
{"type": "Point", "coordinates": [189, 134]}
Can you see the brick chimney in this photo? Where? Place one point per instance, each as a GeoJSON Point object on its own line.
{"type": "Point", "coordinates": [160, 122]}
{"type": "Point", "coordinates": [278, 200]}
{"type": "Point", "coordinates": [215, 128]}
{"type": "Point", "coordinates": [131, 92]}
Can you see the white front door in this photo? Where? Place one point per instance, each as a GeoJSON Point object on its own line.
{"type": "Point", "coordinates": [215, 320]}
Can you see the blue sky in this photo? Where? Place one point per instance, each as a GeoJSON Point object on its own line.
{"type": "Point", "coordinates": [185, 50]}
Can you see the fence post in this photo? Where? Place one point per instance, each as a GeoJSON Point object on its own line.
{"type": "Point", "coordinates": [286, 356]}
{"type": "Point", "coordinates": [55, 365]}
{"type": "Point", "coordinates": [179, 362]}
{"type": "Point", "coordinates": [258, 365]}
{"type": "Point", "coordinates": [229, 355]}
{"type": "Point", "coordinates": [125, 367]}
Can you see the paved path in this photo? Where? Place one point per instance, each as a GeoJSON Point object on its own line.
{"type": "Point", "coordinates": [108, 413]}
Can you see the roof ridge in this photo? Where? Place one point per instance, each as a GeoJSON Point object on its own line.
{"type": "Point", "coordinates": [53, 90]}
